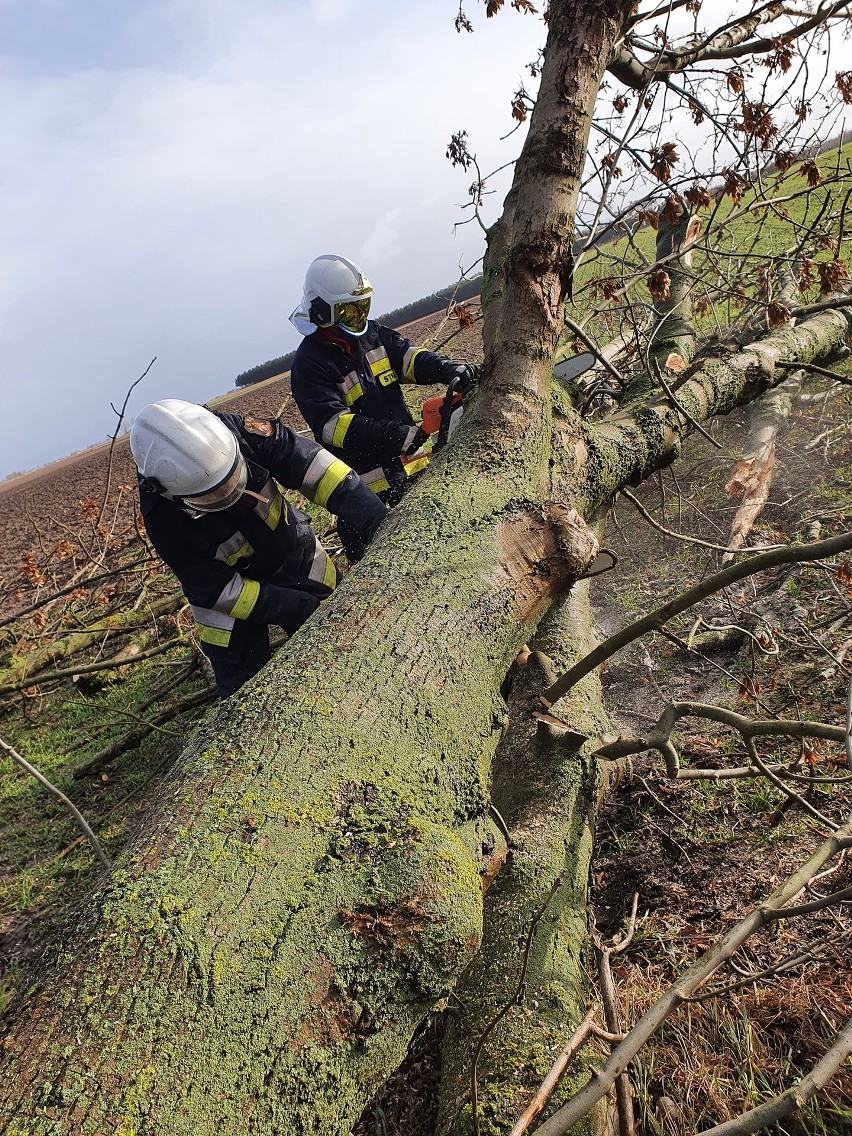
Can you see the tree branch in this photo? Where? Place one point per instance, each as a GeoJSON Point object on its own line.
{"type": "Point", "coordinates": [792, 554]}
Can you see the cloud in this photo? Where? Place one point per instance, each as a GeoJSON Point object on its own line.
{"type": "Point", "coordinates": [166, 196]}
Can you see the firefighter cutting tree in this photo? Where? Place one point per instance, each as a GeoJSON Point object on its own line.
{"type": "Point", "coordinates": [346, 380]}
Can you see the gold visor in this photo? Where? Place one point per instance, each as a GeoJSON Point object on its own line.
{"type": "Point", "coordinates": [352, 314]}
{"type": "Point", "coordinates": [223, 495]}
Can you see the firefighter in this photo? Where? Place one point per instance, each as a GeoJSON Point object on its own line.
{"type": "Point", "coordinates": [346, 378]}
{"type": "Point", "coordinates": [244, 556]}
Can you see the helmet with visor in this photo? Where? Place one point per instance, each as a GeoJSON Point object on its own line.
{"type": "Point", "coordinates": [337, 292]}
{"type": "Point", "coordinates": [188, 454]}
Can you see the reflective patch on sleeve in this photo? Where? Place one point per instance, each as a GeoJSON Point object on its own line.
{"type": "Point", "coordinates": [213, 626]}
{"type": "Point", "coordinates": [415, 466]}
{"type": "Point", "coordinates": [330, 481]}
{"type": "Point", "coordinates": [213, 635]}
{"type": "Point", "coordinates": [408, 363]}
{"type": "Point", "coordinates": [350, 388]}
{"type": "Point", "coordinates": [324, 475]}
{"type": "Point", "coordinates": [335, 429]}
{"type": "Point", "coordinates": [270, 506]}
{"type": "Point", "coordinates": [375, 479]}
{"type": "Point", "coordinates": [246, 600]}
{"type": "Point", "coordinates": [322, 569]}
{"type": "Point", "coordinates": [235, 548]}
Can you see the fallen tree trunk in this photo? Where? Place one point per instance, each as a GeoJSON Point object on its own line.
{"type": "Point", "coordinates": [520, 1000]}
{"type": "Point", "coordinates": [307, 885]}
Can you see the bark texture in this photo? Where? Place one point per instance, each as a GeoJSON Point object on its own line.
{"type": "Point", "coordinates": [308, 885]}
{"type": "Point", "coordinates": [546, 789]}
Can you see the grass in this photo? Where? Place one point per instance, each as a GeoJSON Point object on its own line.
{"type": "Point", "coordinates": [745, 228]}
{"type": "Point", "coordinates": [46, 864]}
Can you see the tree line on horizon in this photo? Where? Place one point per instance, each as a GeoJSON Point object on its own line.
{"type": "Point", "coordinates": [398, 317]}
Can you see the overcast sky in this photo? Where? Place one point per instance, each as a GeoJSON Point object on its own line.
{"type": "Point", "coordinates": [170, 168]}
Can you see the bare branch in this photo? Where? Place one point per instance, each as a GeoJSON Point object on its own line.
{"type": "Point", "coordinates": [68, 805]}
{"type": "Point", "coordinates": [661, 615]}
{"type": "Point", "coordinates": [585, 1100]}
{"type": "Point", "coordinates": [120, 414]}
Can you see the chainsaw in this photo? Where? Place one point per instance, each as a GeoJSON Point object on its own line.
{"type": "Point", "coordinates": [442, 414]}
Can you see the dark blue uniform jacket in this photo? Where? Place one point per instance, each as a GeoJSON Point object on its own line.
{"type": "Point", "coordinates": [259, 560]}
{"type": "Point", "coordinates": [348, 390]}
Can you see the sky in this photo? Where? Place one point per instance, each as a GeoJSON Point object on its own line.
{"type": "Point", "coordinates": [171, 167]}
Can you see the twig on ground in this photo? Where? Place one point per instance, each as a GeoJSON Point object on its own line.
{"type": "Point", "coordinates": [682, 536]}
{"type": "Point", "coordinates": [602, 1081]}
{"type": "Point", "coordinates": [71, 808]}
{"type": "Point", "coordinates": [654, 620]}
{"type": "Point", "coordinates": [131, 739]}
{"type": "Point", "coordinates": [87, 582]}
{"type": "Point", "coordinates": [545, 1090]}
{"type": "Point", "coordinates": [623, 1089]}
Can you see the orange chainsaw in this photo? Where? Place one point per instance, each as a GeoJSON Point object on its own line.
{"type": "Point", "coordinates": [442, 414]}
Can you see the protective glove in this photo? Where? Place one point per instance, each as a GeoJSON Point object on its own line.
{"type": "Point", "coordinates": [414, 439]}
{"type": "Point", "coordinates": [362, 512]}
{"type": "Point", "coordinates": [466, 373]}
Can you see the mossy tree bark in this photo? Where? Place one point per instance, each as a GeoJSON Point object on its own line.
{"type": "Point", "coordinates": [519, 1001]}
{"type": "Point", "coordinates": [307, 886]}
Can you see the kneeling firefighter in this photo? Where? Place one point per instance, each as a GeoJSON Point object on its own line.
{"type": "Point", "coordinates": [346, 379]}
{"type": "Point", "coordinates": [244, 556]}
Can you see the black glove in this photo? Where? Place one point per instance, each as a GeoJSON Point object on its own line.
{"type": "Point", "coordinates": [466, 373]}
{"type": "Point", "coordinates": [414, 439]}
{"type": "Point", "coordinates": [293, 606]}
{"type": "Point", "coordinates": [361, 513]}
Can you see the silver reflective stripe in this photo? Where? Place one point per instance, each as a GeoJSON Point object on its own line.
{"type": "Point", "coordinates": [353, 379]}
{"type": "Point", "coordinates": [234, 548]}
{"type": "Point", "coordinates": [229, 594]}
{"type": "Point", "coordinates": [316, 469]}
{"type": "Point", "coordinates": [330, 426]}
{"type": "Point", "coordinates": [317, 572]}
{"type": "Point", "coordinates": [378, 353]}
{"type": "Point", "coordinates": [208, 617]}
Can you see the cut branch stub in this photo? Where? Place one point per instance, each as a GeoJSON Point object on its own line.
{"type": "Point", "coordinates": [541, 552]}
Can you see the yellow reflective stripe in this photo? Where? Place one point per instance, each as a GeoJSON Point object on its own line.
{"type": "Point", "coordinates": [233, 549]}
{"type": "Point", "coordinates": [414, 467]}
{"type": "Point", "coordinates": [379, 485]}
{"type": "Point", "coordinates": [383, 371]}
{"type": "Point", "coordinates": [409, 370]}
{"type": "Point", "coordinates": [330, 481]}
{"type": "Point", "coordinates": [213, 635]}
{"type": "Point", "coordinates": [344, 421]}
{"type": "Point", "coordinates": [275, 506]}
{"type": "Point", "coordinates": [353, 394]}
{"type": "Point", "coordinates": [329, 576]}
{"type": "Point", "coordinates": [248, 597]}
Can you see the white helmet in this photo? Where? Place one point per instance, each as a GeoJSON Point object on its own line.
{"type": "Point", "coordinates": [337, 291]}
{"type": "Point", "coordinates": [184, 451]}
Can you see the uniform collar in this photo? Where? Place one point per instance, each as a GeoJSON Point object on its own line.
{"type": "Point", "coordinates": [349, 345]}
